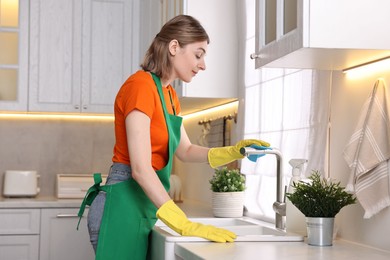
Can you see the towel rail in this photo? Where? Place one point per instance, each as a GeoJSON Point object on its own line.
{"type": "Point", "coordinates": [227, 117]}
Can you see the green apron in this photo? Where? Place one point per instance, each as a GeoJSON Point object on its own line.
{"type": "Point", "coordinates": [129, 215]}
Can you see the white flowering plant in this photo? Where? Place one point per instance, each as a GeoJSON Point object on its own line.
{"type": "Point", "coordinates": [227, 180]}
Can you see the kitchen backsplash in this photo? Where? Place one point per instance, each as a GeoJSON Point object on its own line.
{"type": "Point", "coordinates": [55, 145]}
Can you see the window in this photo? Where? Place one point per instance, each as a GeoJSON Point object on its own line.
{"type": "Point", "coordinates": [283, 110]}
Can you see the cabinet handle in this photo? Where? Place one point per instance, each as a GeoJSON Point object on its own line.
{"type": "Point", "coordinates": [76, 107]}
{"type": "Point", "coordinates": [67, 215]}
{"type": "Point", "coordinates": [85, 107]}
{"type": "Point", "coordinates": [255, 56]}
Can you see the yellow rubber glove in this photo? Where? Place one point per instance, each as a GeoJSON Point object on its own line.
{"type": "Point", "coordinates": [175, 218]}
{"type": "Point", "coordinates": [219, 156]}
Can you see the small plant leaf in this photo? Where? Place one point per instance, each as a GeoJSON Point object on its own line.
{"type": "Point", "coordinates": [319, 197]}
{"type": "Point", "coordinates": [227, 180]}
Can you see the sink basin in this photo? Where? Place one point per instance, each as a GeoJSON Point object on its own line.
{"type": "Point", "coordinates": [219, 222]}
{"type": "Point", "coordinates": [246, 229]}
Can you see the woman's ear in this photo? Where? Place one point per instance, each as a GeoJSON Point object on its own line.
{"type": "Point", "coordinates": [173, 46]}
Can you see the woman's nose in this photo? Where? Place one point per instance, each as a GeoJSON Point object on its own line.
{"type": "Point", "coordinates": [202, 65]}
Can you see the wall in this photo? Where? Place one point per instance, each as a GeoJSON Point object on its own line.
{"type": "Point", "coordinates": [194, 176]}
{"type": "Point", "coordinates": [52, 146]}
{"type": "Point", "coordinates": [348, 96]}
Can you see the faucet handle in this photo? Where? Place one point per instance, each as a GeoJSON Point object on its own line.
{"type": "Point", "coordinates": [253, 152]}
{"type": "Point", "coordinates": [279, 208]}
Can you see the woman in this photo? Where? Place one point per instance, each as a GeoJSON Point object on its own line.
{"type": "Point", "coordinates": [148, 133]}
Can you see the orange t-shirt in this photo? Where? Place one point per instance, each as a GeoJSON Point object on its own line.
{"type": "Point", "coordinates": [140, 92]}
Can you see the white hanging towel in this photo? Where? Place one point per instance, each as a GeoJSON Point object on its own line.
{"type": "Point", "coordinates": [368, 153]}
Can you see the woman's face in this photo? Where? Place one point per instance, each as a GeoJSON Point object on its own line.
{"type": "Point", "coordinates": [188, 60]}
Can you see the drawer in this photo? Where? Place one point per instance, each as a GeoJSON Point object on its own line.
{"type": "Point", "coordinates": [19, 221]}
{"type": "Point", "coordinates": [16, 247]}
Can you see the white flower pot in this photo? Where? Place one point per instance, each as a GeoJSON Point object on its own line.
{"type": "Point", "coordinates": [228, 204]}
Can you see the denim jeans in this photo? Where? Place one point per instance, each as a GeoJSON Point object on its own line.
{"type": "Point", "coordinates": [118, 172]}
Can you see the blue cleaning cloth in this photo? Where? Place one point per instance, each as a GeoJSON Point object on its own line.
{"type": "Point", "coordinates": [254, 157]}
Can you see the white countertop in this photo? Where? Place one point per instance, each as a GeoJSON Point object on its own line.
{"type": "Point", "coordinates": [269, 250]}
{"type": "Point", "coordinates": [39, 202]}
{"type": "Point", "coordinates": [277, 251]}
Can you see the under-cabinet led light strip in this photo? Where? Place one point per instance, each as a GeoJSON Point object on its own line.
{"type": "Point", "coordinates": [379, 64]}
{"type": "Point", "coordinates": [40, 116]}
{"type": "Point", "coordinates": [213, 109]}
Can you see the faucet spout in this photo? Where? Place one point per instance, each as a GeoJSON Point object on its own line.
{"type": "Point", "coordinates": [279, 205]}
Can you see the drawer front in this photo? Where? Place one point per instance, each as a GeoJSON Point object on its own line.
{"type": "Point", "coordinates": [19, 247]}
{"type": "Point", "coordinates": [19, 221]}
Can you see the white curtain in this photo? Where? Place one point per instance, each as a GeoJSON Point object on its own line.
{"type": "Point", "coordinates": [289, 108]}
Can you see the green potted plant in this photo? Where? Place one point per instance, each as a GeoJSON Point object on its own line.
{"type": "Point", "coordinates": [319, 199]}
{"type": "Point", "coordinates": [228, 195]}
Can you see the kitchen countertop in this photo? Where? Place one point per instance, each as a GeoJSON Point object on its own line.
{"type": "Point", "coordinates": [277, 251]}
{"type": "Point", "coordinates": [39, 202]}
{"type": "Point", "coordinates": [269, 250]}
{"type": "Point", "coordinates": [191, 208]}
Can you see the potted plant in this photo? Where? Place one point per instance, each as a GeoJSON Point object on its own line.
{"type": "Point", "coordinates": [319, 199]}
{"type": "Point", "coordinates": [228, 195]}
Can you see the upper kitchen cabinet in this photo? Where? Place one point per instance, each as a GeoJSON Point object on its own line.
{"type": "Point", "coordinates": [219, 18]}
{"type": "Point", "coordinates": [330, 35]}
{"type": "Point", "coordinates": [13, 54]}
{"type": "Point", "coordinates": [81, 52]}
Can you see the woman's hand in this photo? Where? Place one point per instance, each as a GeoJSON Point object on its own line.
{"type": "Point", "coordinates": [223, 155]}
{"type": "Point", "coordinates": [175, 218]}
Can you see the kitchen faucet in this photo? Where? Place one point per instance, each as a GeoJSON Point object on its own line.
{"type": "Point", "coordinates": [279, 205]}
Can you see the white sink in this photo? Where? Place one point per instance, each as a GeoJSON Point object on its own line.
{"type": "Point", "coordinates": [220, 222]}
{"type": "Point", "coordinates": [246, 229]}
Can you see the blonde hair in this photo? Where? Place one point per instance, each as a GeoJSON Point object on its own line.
{"type": "Point", "coordinates": [183, 28]}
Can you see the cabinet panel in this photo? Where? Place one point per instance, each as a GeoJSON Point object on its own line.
{"type": "Point", "coordinates": [307, 36]}
{"type": "Point", "coordinates": [19, 221]}
{"type": "Point", "coordinates": [19, 247]}
{"type": "Point", "coordinates": [108, 51]}
{"type": "Point", "coordinates": [59, 238]}
{"type": "Point", "coordinates": [55, 52]}
{"type": "Point", "coordinates": [219, 80]}
{"type": "Point", "coordinates": [81, 53]}
{"type": "Point", "coordinates": [13, 55]}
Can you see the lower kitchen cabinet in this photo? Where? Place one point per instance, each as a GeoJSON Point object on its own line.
{"type": "Point", "coordinates": [19, 247]}
{"type": "Point", "coordinates": [59, 238]}
{"type": "Point", "coordinates": [44, 234]}
{"type": "Point", "coordinates": [19, 234]}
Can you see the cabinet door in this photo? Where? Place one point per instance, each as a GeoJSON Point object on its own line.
{"type": "Point", "coordinates": [279, 25]}
{"type": "Point", "coordinates": [59, 238]}
{"type": "Point", "coordinates": [299, 34]}
{"type": "Point", "coordinates": [110, 50]}
{"type": "Point", "coordinates": [19, 247]}
{"type": "Point", "coordinates": [13, 55]}
{"type": "Point", "coordinates": [219, 80]}
{"type": "Point", "coordinates": [19, 234]}
{"type": "Point", "coordinates": [55, 53]}
{"type": "Point", "coordinates": [19, 221]}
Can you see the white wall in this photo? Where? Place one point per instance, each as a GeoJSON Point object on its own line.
{"type": "Point", "coordinates": [348, 96]}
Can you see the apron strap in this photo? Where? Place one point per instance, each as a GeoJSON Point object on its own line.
{"type": "Point", "coordinates": [90, 195]}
